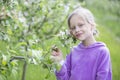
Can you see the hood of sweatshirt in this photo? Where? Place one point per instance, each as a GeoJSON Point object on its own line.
{"type": "Point", "coordinates": [96, 44]}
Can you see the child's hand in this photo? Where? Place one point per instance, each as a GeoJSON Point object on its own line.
{"type": "Point", "coordinates": [56, 55]}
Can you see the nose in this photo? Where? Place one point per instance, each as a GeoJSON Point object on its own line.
{"type": "Point", "coordinates": [77, 28]}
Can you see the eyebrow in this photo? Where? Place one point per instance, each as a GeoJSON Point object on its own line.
{"type": "Point", "coordinates": [79, 23]}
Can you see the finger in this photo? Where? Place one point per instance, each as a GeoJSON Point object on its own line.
{"type": "Point", "coordinates": [56, 59]}
{"type": "Point", "coordinates": [55, 48]}
{"type": "Point", "coordinates": [54, 53]}
{"type": "Point", "coordinates": [53, 58]}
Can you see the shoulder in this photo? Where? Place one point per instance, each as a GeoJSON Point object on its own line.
{"type": "Point", "coordinates": [101, 47]}
{"type": "Point", "coordinates": [103, 56]}
{"type": "Point", "coordinates": [104, 51]}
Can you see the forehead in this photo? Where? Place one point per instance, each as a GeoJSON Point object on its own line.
{"type": "Point", "coordinates": [76, 18]}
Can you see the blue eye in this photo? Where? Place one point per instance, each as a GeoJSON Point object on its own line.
{"type": "Point", "coordinates": [81, 25]}
{"type": "Point", "coordinates": [73, 28]}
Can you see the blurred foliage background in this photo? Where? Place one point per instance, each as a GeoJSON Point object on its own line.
{"type": "Point", "coordinates": [29, 28]}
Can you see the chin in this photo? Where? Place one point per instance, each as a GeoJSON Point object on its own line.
{"type": "Point", "coordinates": [81, 39]}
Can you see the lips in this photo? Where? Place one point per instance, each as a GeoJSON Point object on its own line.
{"type": "Point", "coordinates": [78, 35]}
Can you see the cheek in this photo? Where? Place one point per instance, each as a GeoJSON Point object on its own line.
{"type": "Point", "coordinates": [72, 33]}
{"type": "Point", "coordinates": [89, 32]}
{"type": "Point", "coordinates": [88, 29]}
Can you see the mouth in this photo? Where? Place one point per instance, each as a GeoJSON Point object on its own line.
{"type": "Point", "coordinates": [78, 35]}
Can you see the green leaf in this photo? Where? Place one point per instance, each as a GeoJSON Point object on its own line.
{"type": "Point", "coordinates": [21, 44]}
{"type": "Point", "coordinates": [2, 77]}
{"type": "Point", "coordinates": [4, 60]}
{"type": "Point", "coordinates": [13, 51]}
{"type": "Point", "coordinates": [9, 31]}
{"type": "Point", "coordinates": [14, 63]}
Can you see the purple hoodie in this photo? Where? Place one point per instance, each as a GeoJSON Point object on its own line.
{"type": "Point", "coordinates": [87, 63]}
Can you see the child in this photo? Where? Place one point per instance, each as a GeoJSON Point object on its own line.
{"type": "Point", "coordinates": [89, 60]}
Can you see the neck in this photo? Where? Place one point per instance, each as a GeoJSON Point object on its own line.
{"type": "Point", "coordinates": [89, 41]}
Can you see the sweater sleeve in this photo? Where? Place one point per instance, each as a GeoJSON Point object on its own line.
{"type": "Point", "coordinates": [64, 73]}
{"type": "Point", "coordinates": [104, 71]}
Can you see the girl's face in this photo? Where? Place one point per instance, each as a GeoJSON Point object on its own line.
{"type": "Point", "coordinates": [80, 28]}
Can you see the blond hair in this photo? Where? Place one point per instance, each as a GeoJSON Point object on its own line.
{"type": "Point", "coordinates": [86, 15]}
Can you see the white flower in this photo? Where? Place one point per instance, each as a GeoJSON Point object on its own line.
{"type": "Point", "coordinates": [66, 8]}
{"type": "Point", "coordinates": [26, 3]}
{"type": "Point", "coordinates": [67, 32]}
{"type": "Point", "coordinates": [61, 34]}
{"type": "Point", "coordinates": [37, 53]}
{"type": "Point", "coordinates": [22, 19]}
